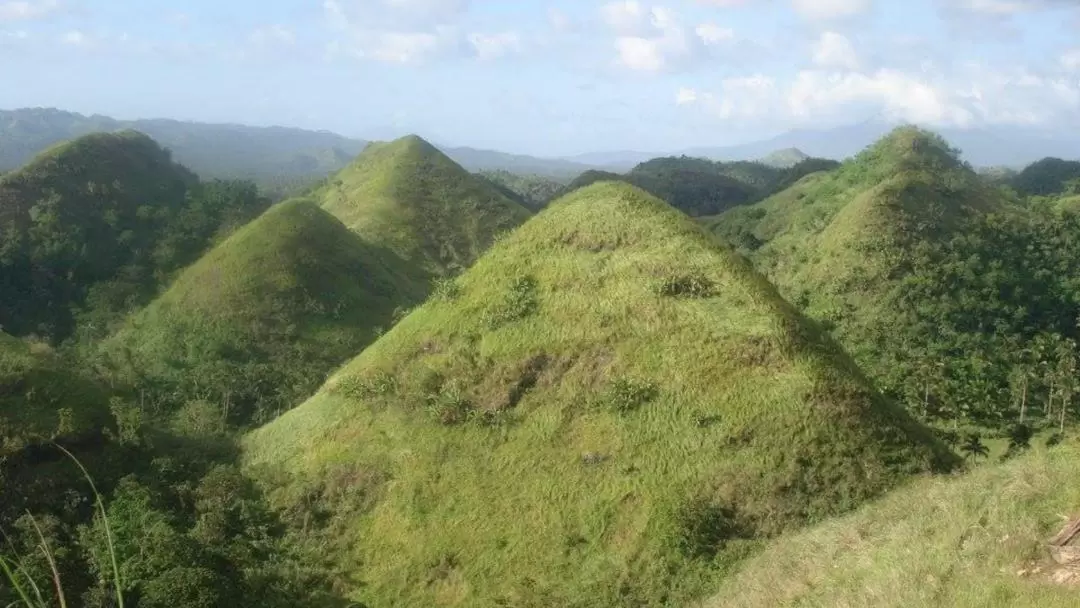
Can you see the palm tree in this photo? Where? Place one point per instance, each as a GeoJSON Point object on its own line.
{"type": "Point", "coordinates": [974, 448]}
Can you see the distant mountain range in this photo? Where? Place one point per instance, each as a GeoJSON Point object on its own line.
{"type": "Point", "coordinates": [281, 154]}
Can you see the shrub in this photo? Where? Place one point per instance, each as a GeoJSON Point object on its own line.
{"type": "Point", "coordinates": [689, 286]}
{"type": "Point", "coordinates": [626, 395]}
{"type": "Point", "coordinates": [519, 302]}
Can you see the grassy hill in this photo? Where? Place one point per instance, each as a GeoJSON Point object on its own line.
{"type": "Point", "coordinates": [257, 323]}
{"type": "Point", "coordinates": [970, 541]}
{"type": "Point", "coordinates": [945, 290]}
{"type": "Point", "coordinates": [609, 408]}
{"type": "Point", "coordinates": [40, 400]}
{"type": "Point", "coordinates": [411, 198]}
{"type": "Point", "coordinates": [1046, 177]}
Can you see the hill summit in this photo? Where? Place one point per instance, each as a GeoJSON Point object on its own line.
{"type": "Point", "coordinates": [74, 217]}
{"type": "Point", "coordinates": [601, 410]}
{"type": "Point", "coordinates": [260, 320]}
{"type": "Point", "coordinates": [414, 200]}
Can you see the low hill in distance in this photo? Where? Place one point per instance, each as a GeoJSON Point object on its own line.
{"type": "Point", "coordinates": [701, 187]}
{"type": "Point", "coordinates": [411, 198]}
{"type": "Point", "coordinates": [1048, 177]}
{"type": "Point", "coordinates": [607, 409]}
{"type": "Point", "coordinates": [784, 159]}
{"type": "Point", "coordinates": [970, 541]}
{"type": "Point", "coordinates": [257, 323]}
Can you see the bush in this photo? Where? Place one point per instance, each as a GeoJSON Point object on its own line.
{"type": "Point", "coordinates": [519, 302]}
{"type": "Point", "coordinates": [689, 286]}
{"type": "Point", "coordinates": [626, 395]}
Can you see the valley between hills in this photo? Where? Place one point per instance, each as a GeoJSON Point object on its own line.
{"type": "Point", "coordinates": [791, 381]}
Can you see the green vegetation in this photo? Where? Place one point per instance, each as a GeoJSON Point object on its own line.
{"type": "Point", "coordinates": [957, 299]}
{"type": "Point", "coordinates": [970, 541]}
{"type": "Point", "coordinates": [785, 159]}
{"type": "Point", "coordinates": [41, 400]}
{"type": "Point", "coordinates": [410, 198]}
{"type": "Point", "coordinates": [531, 191]}
{"type": "Point", "coordinates": [1048, 177]}
{"type": "Point", "coordinates": [700, 187]}
{"type": "Point", "coordinates": [261, 319]}
{"type": "Point", "coordinates": [609, 408]}
{"type": "Point", "coordinates": [91, 228]}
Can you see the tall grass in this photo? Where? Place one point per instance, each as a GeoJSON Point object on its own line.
{"type": "Point", "coordinates": [18, 574]}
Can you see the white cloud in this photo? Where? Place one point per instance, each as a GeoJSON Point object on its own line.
{"type": "Point", "coordinates": [833, 50]}
{"type": "Point", "coordinates": [685, 96]}
{"type": "Point", "coordinates": [822, 10]}
{"type": "Point", "coordinates": [1007, 7]}
{"type": "Point", "coordinates": [652, 39]}
{"type": "Point", "coordinates": [76, 38]}
{"type": "Point", "coordinates": [396, 31]}
{"type": "Point", "coordinates": [1070, 60]}
{"type": "Point", "coordinates": [273, 35]}
{"type": "Point", "coordinates": [492, 46]}
{"type": "Point", "coordinates": [969, 94]}
{"type": "Point", "coordinates": [710, 33]}
{"type": "Point", "coordinates": [22, 10]}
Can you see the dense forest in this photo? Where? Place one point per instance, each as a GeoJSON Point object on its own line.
{"type": "Point", "coordinates": [409, 384]}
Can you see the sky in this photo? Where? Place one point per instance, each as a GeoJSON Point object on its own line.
{"type": "Point", "coordinates": [550, 77]}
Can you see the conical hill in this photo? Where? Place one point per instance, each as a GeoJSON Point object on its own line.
{"type": "Point", "coordinates": [258, 322]}
{"type": "Point", "coordinates": [605, 409]}
{"type": "Point", "coordinates": [411, 198]}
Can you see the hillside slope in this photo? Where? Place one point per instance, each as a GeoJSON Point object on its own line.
{"type": "Point", "coordinates": [257, 323]}
{"type": "Point", "coordinates": [411, 198]}
{"type": "Point", "coordinates": [606, 409]}
{"type": "Point", "coordinates": [41, 401]}
{"type": "Point", "coordinates": [972, 541]}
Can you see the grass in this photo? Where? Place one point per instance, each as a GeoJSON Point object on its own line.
{"type": "Point", "coordinates": [568, 426]}
{"type": "Point", "coordinates": [976, 539]}
{"type": "Point", "coordinates": [262, 318]}
{"type": "Point", "coordinates": [27, 591]}
{"type": "Point", "coordinates": [411, 198]}
{"type": "Point", "coordinates": [41, 400]}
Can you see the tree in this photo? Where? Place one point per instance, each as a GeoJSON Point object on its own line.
{"type": "Point", "coordinates": [974, 448]}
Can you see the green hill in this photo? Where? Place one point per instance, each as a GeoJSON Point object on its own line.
{"type": "Point", "coordinates": [1047, 177]}
{"type": "Point", "coordinates": [75, 216]}
{"type": "Point", "coordinates": [257, 323]}
{"type": "Point", "coordinates": [92, 227]}
{"type": "Point", "coordinates": [946, 291]}
{"type": "Point", "coordinates": [607, 409]}
{"type": "Point", "coordinates": [966, 542]}
{"type": "Point", "coordinates": [411, 198]}
{"type": "Point", "coordinates": [785, 158]}
{"type": "Point", "coordinates": [40, 400]}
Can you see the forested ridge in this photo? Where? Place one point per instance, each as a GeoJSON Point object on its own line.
{"type": "Point", "coordinates": [408, 384]}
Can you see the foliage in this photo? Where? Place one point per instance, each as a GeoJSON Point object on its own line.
{"type": "Point", "coordinates": [532, 191]}
{"type": "Point", "coordinates": [567, 503]}
{"type": "Point", "coordinates": [91, 228]}
{"type": "Point", "coordinates": [1046, 177]}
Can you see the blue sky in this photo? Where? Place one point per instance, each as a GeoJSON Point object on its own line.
{"type": "Point", "coordinates": [550, 77]}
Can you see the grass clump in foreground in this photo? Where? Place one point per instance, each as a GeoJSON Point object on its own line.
{"type": "Point", "coordinates": [974, 540]}
{"type": "Point", "coordinates": [260, 320]}
{"type": "Point", "coordinates": [605, 445]}
{"type": "Point", "coordinates": [411, 198]}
